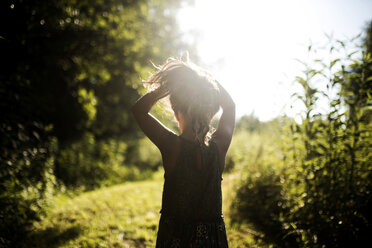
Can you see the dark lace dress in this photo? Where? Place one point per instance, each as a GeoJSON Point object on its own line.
{"type": "Point", "coordinates": [191, 214]}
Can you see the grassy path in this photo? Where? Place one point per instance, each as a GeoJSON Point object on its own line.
{"type": "Point", "coordinates": [125, 215]}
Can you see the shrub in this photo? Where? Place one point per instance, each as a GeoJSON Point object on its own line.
{"type": "Point", "coordinates": [318, 194]}
{"type": "Point", "coordinates": [26, 178]}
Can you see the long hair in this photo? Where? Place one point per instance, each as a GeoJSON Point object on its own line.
{"type": "Point", "coordinates": [192, 91]}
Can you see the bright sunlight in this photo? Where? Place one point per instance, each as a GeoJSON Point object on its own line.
{"type": "Point", "coordinates": [251, 46]}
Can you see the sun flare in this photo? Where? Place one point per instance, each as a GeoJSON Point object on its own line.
{"type": "Point", "coordinates": [251, 46]}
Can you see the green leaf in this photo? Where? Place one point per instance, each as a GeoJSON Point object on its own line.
{"type": "Point", "coordinates": [369, 79]}
{"type": "Point", "coordinates": [334, 62]}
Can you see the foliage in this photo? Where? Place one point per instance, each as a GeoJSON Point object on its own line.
{"type": "Point", "coordinates": [70, 70]}
{"type": "Point", "coordinates": [26, 169]}
{"type": "Point", "coordinates": [320, 194]}
{"type": "Point", "coordinates": [334, 155]}
{"type": "Point", "coordinates": [26, 178]}
{"type": "Point", "coordinates": [260, 199]}
{"type": "Point", "coordinates": [89, 163]}
{"type": "Point", "coordinates": [254, 139]}
{"type": "Point", "coordinates": [249, 123]}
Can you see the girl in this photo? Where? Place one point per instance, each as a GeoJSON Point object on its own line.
{"type": "Point", "coordinates": [191, 214]}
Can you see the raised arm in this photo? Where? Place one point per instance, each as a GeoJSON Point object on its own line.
{"type": "Point", "coordinates": [225, 128]}
{"type": "Point", "coordinates": [159, 134]}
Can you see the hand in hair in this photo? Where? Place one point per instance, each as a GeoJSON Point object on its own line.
{"type": "Point", "coordinates": [193, 93]}
{"type": "Point", "coordinates": [162, 91]}
{"type": "Point", "coordinates": [154, 129]}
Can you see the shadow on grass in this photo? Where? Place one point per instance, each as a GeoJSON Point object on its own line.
{"type": "Point", "coordinates": [138, 243]}
{"type": "Point", "coordinates": [53, 236]}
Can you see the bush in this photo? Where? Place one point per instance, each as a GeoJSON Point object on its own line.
{"type": "Point", "coordinates": [333, 162]}
{"type": "Point", "coordinates": [26, 179]}
{"type": "Point", "coordinates": [88, 164]}
{"type": "Point", "coordinates": [317, 194]}
{"type": "Point", "coordinates": [261, 201]}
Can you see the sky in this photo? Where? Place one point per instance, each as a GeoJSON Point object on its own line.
{"type": "Point", "coordinates": [251, 46]}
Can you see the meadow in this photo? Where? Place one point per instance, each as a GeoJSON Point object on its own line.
{"type": "Point", "coordinates": [124, 215]}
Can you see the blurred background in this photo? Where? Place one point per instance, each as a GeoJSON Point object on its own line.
{"type": "Point", "coordinates": [76, 171]}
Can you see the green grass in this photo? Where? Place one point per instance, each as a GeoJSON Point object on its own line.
{"type": "Point", "coordinates": [125, 215]}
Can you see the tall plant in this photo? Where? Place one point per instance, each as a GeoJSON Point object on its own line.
{"type": "Point", "coordinates": [321, 195]}
{"type": "Point", "coordinates": [335, 162]}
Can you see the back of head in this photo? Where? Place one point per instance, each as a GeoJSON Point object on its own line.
{"type": "Point", "coordinates": [193, 92]}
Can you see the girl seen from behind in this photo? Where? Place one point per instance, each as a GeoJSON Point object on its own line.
{"type": "Point", "coordinates": [191, 214]}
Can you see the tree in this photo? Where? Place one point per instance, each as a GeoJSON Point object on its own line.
{"type": "Point", "coordinates": [70, 69]}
